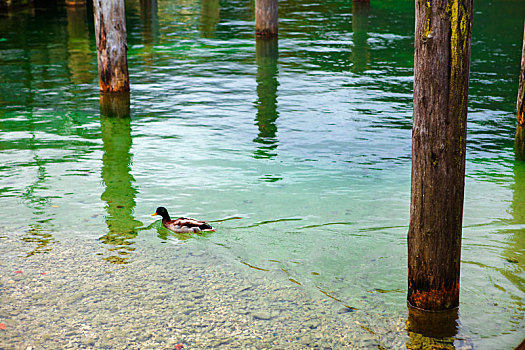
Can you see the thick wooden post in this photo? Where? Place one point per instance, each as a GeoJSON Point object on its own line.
{"type": "Point", "coordinates": [266, 17]}
{"type": "Point", "coordinates": [441, 76]}
{"type": "Point", "coordinates": [110, 32]}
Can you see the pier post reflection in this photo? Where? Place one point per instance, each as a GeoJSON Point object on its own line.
{"type": "Point", "coordinates": [150, 21]}
{"type": "Point", "coordinates": [81, 58]}
{"type": "Point", "coordinates": [210, 17]}
{"type": "Point", "coordinates": [266, 52]}
{"type": "Point", "coordinates": [119, 195]}
{"type": "Point", "coordinates": [425, 328]}
{"type": "Point", "coordinates": [360, 13]}
{"type": "Point", "coordinates": [515, 247]}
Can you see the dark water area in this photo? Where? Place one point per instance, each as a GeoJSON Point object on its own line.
{"type": "Point", "coordinates": [298, 151]}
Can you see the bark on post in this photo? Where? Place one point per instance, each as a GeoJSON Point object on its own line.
{"type": "Point", "coordinates": [110, 32]}
{"type": "Point", "coordinates": [266, 18]}
{"type": "Point", "coordinates": [441, 76]}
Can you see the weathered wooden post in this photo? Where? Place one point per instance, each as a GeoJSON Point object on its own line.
{"type": "Point", "coordinates": [441, 77]}
{"type": "Point", "coordinates": [266, 18]}
{"type": "Point", "coordinates": [110, 32]}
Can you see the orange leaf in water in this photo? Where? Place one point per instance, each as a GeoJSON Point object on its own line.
{"type": "Point", "coordinates": [44, 273]}
{"type": "Point", "coordinates": [19, 271]}
{"type": "Point", "coordinates": [179, 346]}
{"type": "Point", "coordinates": [2, 326]}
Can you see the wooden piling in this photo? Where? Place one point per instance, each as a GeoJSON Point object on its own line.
{"type": "Point", "coordinates": [441, 76]}
{"type": "Point", "coordinates": [266, 18]}
{"type": "Point", "coordinates": [110, 32]}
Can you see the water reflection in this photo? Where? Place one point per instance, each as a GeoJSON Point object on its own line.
{"type": "Point", "coordinates": [514, 252]}
{"type": "Point", "coordinates": [210, 17]}
{"type": "Point", "coordinates": [80, 55]}
{"type": "Point", "coordinates": [266, 51]}
{"type": "Point", "coordinates": [431, 329]}
{"type": "Point", "coordinates": [42, 238]}
{"type": "Point", "coordinates": [150, 21]}
{"type": "Point", "coordinates": [360, 55]}
{"type": "Point", "coordinates": [119, 194]}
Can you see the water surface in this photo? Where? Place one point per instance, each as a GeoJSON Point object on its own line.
{"type": "Point", "coordinates": [298, 150]}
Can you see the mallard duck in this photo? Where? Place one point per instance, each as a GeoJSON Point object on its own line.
{"type": "Point", "coordinates": [182, 225]}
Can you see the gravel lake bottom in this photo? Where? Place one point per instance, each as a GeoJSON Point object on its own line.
{"type": "Point", "coordinates": [71, 297]}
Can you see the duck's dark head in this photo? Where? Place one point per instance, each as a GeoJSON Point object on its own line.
{"type": "Point", "coordinates": [162, 212]}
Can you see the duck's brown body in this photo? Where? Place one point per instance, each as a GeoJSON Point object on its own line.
{"type": "Point", "coordinates": [182, 225]}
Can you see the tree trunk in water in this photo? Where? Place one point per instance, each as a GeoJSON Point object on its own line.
{"type": "Point", "coordinates": [110, 31]}
{"type": "Point", "coordinates": [441, 76]}
{"type": "Point", "coordinates": [266, 17]}
{"type": "Point", "coordinates": [521, 89]}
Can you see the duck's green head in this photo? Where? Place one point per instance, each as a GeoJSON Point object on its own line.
{"type": "Point", "coordinates": [162, 212]}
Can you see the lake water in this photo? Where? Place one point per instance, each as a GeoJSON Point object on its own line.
{"type": "Point", "coordinates": [297, 150]}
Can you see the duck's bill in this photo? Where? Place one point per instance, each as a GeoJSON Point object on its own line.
{"type": "Point", "coordinates": [154, 214]}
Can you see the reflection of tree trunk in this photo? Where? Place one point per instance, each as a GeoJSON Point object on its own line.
{"type": "Point", "coordinates": [119, 194]}
{"type": "Point", "coordinates": [436, 325]}
{"type": "Point", "coordinates": [79, 62]}
{"type": "Point", "coordinates": [521, 89]}
{"type": "Point", "coordinates": [441, 77]}
{"type": "Point", "coordinates": [360, 12]}
{"type": "Point", "coordinates": [515, 251]}
{"type": "Point", "coordinates": [210, 17]}
{"type": "Point", "coordinates": [150, 21]}
{"type": "Point", "coordinates": [266, 57]}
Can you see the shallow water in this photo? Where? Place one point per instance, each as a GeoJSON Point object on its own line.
{"type": "Point", "coordinates": [298, 151]}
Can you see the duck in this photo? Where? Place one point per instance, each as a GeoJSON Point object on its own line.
{"type": "Point", "coordinates": [182, 225]}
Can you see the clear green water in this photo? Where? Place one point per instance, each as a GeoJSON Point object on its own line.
{"type": "Point", "coordinates": [299, 150]}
